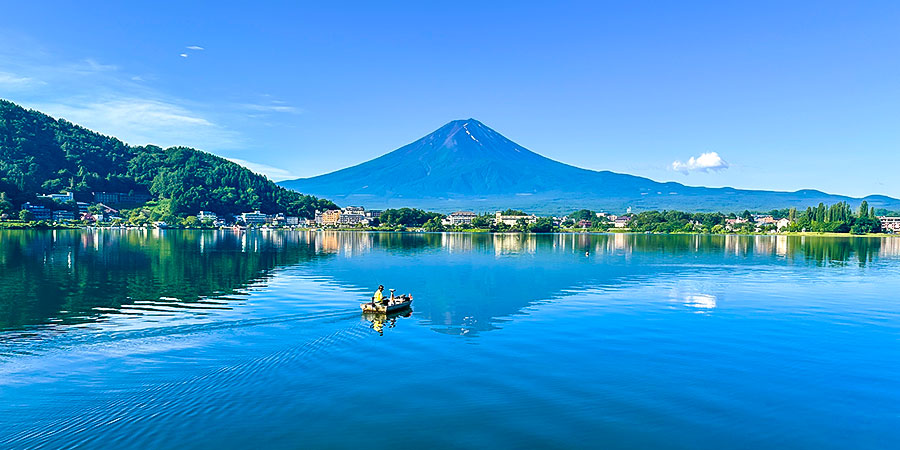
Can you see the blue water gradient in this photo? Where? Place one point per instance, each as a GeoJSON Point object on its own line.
{"type": "Point", "coordinates": [189, 339]}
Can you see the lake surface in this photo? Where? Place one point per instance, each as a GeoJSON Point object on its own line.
{"type": "Point", "coordinates": [218, 339]}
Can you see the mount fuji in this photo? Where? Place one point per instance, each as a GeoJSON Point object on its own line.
{"type": "Point", "coordinates": [467, 165]}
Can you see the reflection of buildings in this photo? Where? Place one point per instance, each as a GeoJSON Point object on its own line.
{"type": "Point", "coordinates": [505, 243]}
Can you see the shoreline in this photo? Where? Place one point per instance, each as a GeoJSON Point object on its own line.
{"type": "Point", "coordinates": [21, 226]}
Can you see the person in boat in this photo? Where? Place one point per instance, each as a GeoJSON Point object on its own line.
{"type": "Point", "coordinates": [378, 298]}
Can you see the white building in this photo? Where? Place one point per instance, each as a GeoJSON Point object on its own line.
{"type": "Point", "coordinates": [254, 217]}
{"type": "Point", "coordinates": [499, 218]}
{"type": "Point", "coordinates": [889, 223]}
{"type": "Point", "coordinates": [207, 215]}
{"type": "Point", "coordinates": [61, 198]}
{"type": "Point", "coordinates": [459, 218]}
{"type": "Point", "coordinates": [621, 222]}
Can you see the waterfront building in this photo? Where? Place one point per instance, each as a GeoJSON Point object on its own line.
{"type": "Point", "coordinates": [207, 215]}
{"type": "Point", "coordinates": [621, 222]}
{"type": "Point", "coordinates": [61, 215]}
{"type": "Point", "coordinates": [331, 217]}
{"type": "Point", "coordinates": [60, 198]}
{"type": "Point", "coordinates": [890, 223]}
{"type": "Point", "coordinates": [38, 212]}
{"type": "Point", "coordinates": [254, 217]}
{"type": "Point", "coordinates": [352, 215]}
{"type": "Point", "coordinates": [459, 218]}
{"type": "Point", "coordinates": [499, 218]}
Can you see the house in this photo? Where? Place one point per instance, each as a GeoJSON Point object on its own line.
{"type": "Point", "coordinates": [254, 217]}
{"type": "Point", "coordinates": [373, 214]}
{"type": "Point", "coordinates": [890, 223]}
{"type": "Point", "coordinates": [782, 223]}
{"type": "Point", "coordinates": [459, 218]}
{"type": "Point", "coordinates": [207, 215]}
{"type": "Point", "coordinates": [38, 212]}
{"type": "Point", "coordinates": [499, 218]}
{"type": "Point", "coordinates": [292, 221]}
{"type": "Point", "coordinates": [621, 222]}
{"type": "Point", "coordinates": [584, 224]}
{"type": "Point", "coordinates": [60, 198]}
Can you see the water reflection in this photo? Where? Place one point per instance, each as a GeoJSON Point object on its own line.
{"type": "Point", "coordinates": [464, 283]}
{"type": "Point", "coordinates": [377, 321]}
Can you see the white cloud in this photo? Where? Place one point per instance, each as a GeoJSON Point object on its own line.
{"type": "Point", "coordinates": [140, 121]}
{"type": "Point", "coordinates": [706, 162]}
{"type": "Point", "coordinates": [274, 173]}
{"type": "Point", "coordinates": [183, 55]}
{"type": "Point", "coordinates": [273, 108]}
{"type": "Point", "coordinates": [9, 80]}
{"type": "Point", "coordinates": [195, 47]}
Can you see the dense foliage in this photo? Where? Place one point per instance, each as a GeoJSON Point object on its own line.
{"type": "Point", "coordinates": [838, 218]}
{"type": "Point", "coordinates": [408, 217]}
{"type": "Point", "coordinates": [39, 154]}
{"type": "Point", "coordinates": [676, 222]}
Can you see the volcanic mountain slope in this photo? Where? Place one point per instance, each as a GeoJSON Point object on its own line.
{"type": "Point", "coordinates": [467, 165]}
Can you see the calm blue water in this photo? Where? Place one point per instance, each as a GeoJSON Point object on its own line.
{"type": "Point", "coordinates": [115, 339]}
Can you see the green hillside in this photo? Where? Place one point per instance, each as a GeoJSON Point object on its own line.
{"type": "Point", "coordinates": [39, 155]}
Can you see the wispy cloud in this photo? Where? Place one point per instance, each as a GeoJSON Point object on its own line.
{"type": "Point", "coordinates": [143, 121]}
{"type": "Point", "coordinates": [183, 55]}
{"type": "Point", "coordinates": [273, 108]}
{"type": "Point", "coordinates": [195, 47]}
{"type": "Point", "coordinates": [706, 162]}
{"type": "Point", "coordinates": [9, 80]}
{"type": "Point", "coordinates": [274, 173]}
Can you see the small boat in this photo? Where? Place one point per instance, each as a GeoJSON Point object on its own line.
{"type": "Point", "coordinates": [395, 304]}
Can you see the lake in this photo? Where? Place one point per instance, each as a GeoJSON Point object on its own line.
{"type": "Point", "coordinates": [220, 339]}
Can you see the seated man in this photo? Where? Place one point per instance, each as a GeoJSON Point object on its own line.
{"type": "Point", "coordinates": [378, 298]}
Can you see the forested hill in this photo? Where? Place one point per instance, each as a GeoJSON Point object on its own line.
{"type": "Point", "coordinates": [39, 154]}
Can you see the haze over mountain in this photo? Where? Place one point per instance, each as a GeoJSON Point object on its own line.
{"type": "Point", "coordinates": [467, 165]}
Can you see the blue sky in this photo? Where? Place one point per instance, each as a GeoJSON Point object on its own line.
{"type": "Point", "coordinates": [787, 95]}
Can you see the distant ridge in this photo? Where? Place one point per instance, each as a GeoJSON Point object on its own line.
{"type": "Point", "coordinates": [467, 165]}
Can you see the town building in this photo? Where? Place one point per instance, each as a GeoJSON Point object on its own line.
{"type": "Point", "coordinates": [119, 197]}
{"type": "Point", "coordinates": [782, 223]}
{"type": "Point", "coordinates": [584, 223]}
{"type": "Point", "coordinates": [254, 218]}
{"type": "Point", "coordinates": [459, 218]}
{"type": "Point", "coordinates": [352, 215]}
{"type": "Point", "coordinates": [621, 222]}
{"type": "Point", "coordinates": [61, 215]}
{"type": "Point", "coordinates": [890, 223]}
{"type": "Point", "coordinates": [82, 207]}
{"type": "Point", "coordinates": [207, 215]}
{"type": "Point", "coordinates": [292, 221]}
{"type": "Point", "coordinates": [499, 218]}
{"type": "Point", "coordinates": [331, 217]}
{"type": "Point", "coordinates": [373, 214]}
{"type": "Point", "coordinates": [60, 198]}
{"type": "Point", "coordinates": [38, 212]}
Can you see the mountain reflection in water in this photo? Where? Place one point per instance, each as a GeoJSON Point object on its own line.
{"type": "Point", "coordinates": [70, 277]}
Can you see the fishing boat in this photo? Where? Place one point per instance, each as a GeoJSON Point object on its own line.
{"type": "Point", "coordinates": [393, 304]}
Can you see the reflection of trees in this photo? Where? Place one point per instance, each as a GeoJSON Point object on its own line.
{"type": "Point", "coordinates": [44, 273]}
{"type": "Point", "coordinates": [478, 279]}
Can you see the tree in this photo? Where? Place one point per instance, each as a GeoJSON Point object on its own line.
{"type": "Point", "coordinates": [26, 215]}
{"type": "Point", "coordinates": [6, 206]}
{"type": "Point", "coordinates": [863, 209]}
{"type": "Point", "coordinates": [433, 224]}
{"type": "Point", "coordinates": [482, 221]}
{"type": "Point", "coordinates": [542, 225]}
{"type": "Point", "coordinates": [191, 222]}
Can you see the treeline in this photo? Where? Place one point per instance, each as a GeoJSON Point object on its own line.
{"type": "Point", "coordinates": [39, 154]}
{"type": "Point", "coordinates": [837, 218]}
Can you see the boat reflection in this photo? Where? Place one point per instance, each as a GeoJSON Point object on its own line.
{"type": "Point", "coordinates": [377, 321]}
